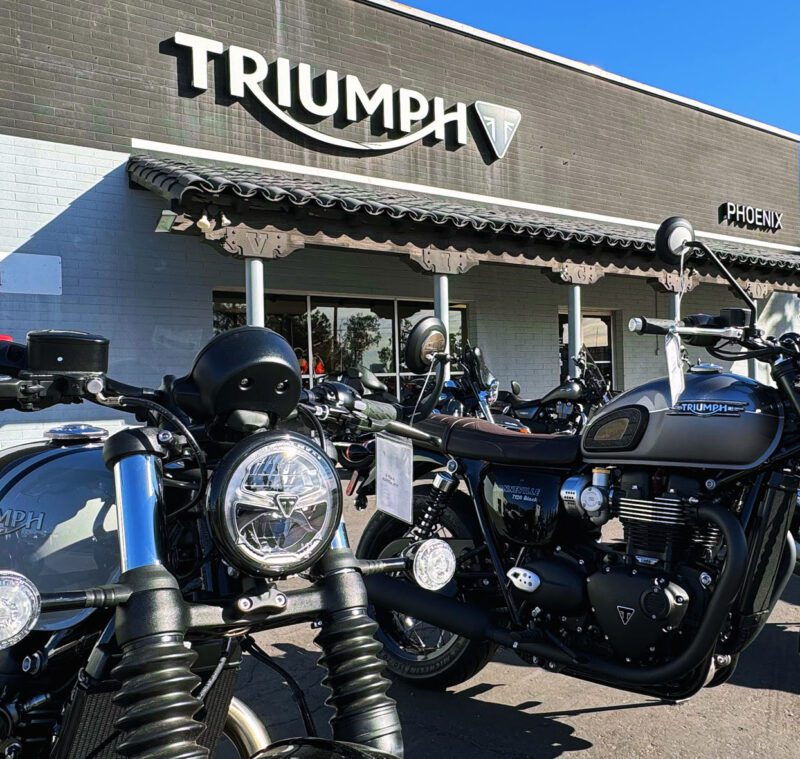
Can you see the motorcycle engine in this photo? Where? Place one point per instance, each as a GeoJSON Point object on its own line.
{"type": "Point", "coordinates": [645, 587]}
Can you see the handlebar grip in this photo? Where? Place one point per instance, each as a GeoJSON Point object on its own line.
{"type": "Point", "coordinates": [642, 325]}
{"type": "Point", "coordinates": [378, 411]}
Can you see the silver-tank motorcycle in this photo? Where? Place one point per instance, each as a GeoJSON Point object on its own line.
{"type": "Point", "coordinates": [135, 568]}
{"type": "Point", "coordinates": [699, 470]}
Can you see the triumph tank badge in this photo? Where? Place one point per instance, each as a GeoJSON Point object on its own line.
{"type": "Point", "coordinates": [14, 520]}
{"type": "Point", "coordinates": [708, 408]}
{"type": "Point", "coordinates": [625, 613]}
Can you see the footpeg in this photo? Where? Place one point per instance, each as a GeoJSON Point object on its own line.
{"type": "Point", "coordinates": [524, 579]}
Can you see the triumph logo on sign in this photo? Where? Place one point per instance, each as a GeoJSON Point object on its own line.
{"type": "Point", "coordinates": [284, 91]}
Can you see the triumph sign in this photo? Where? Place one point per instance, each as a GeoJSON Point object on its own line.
{"type": "Point", "coordinates": [401, 111]}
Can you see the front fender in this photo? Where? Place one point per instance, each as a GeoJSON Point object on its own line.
{"type": "Point", "coordinates": [320, 748]}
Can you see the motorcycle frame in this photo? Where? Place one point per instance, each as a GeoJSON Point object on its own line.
{"type": "Point", "coordinates": [693, 679]}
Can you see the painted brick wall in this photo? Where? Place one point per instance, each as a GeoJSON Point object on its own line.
{"type": "Point", "coordinates": [151, 294]}
{"type": "Point", "coordinates": [99, 72]}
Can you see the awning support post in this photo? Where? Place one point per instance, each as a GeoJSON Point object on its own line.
{"type": "Point", "coordinates": [575, 327]}
{"type": "Point", "coordinates": [441, 308]}
{"type": "Point", "coordinates": [752, 364]}
{"type": "Point", "coordinates": [254, 291]}
{"type": "Point", "coordinates": [674, 305]}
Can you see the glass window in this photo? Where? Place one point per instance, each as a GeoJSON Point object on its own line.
{"type": "Point", "coordinates": [345, 332]}
{"type": "Point", "coordinates": [285, 314]}
{"type": "Point", "coordinates": [597, 337]}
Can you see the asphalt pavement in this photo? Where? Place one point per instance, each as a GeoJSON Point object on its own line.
{"type": "Point", "coordinates": [515, 711]}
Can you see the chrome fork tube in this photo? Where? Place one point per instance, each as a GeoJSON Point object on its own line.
{"type": "Point", "coordinates": [138, 494]}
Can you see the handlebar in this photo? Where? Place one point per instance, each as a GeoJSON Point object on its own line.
{"type": "Point", "coordinates": [376, 411]}
{"type": "Point", "coordinates": [642, 325]}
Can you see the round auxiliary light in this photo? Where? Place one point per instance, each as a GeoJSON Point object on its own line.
{"type": "Point", "coordinates": [434, 564]}
{"type": "Point", "coordinates": [274, 504]}
{"type": "Point", "coordinates": [20, 604]}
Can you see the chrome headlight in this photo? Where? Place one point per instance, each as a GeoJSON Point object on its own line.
{"type": "Point", "coordinates": [274, 504]}
{"type": "Point", "coordinates": [20, 604]}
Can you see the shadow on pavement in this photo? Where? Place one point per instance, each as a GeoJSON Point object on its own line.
{"type": "Point", "coordinates": [445, 725]}
{"type": "Point", "coordinates": [772, 662]}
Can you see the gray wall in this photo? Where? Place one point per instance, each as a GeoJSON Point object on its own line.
{"type": "Point", "coordinates": [99, 73]}
{"type": "Point", "coordinates": [151, 293]}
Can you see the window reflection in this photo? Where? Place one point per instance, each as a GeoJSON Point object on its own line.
{"type": "Point", "coordinates": [345, 332]}
{"type": "Point", "coordinates": [597, 337]}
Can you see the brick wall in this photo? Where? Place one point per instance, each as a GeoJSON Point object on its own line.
{"type": "Point", "coordinates": [99, 72]}
{"type": "Point", "coordinates": [151, 293]}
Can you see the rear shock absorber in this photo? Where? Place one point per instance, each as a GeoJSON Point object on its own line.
{"type": "Point", "coordinates": [443, 486]}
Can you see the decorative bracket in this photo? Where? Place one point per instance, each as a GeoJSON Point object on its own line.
{"type": "Point", "coordinates": [244, 242]}
{"type": "Point", "coordinates": [671, 282]}
{"type": "Point", "coordinates": [443, 261]}
{"type": "Point", "coordinates": [758, 290]}
{"type": "Point", "coordinates": [576, 274]}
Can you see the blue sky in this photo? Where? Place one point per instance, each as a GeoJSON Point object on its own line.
{"type": "Point", "coordinates": [740, 56]}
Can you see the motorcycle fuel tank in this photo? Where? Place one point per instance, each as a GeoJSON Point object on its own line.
{"type": "Point", "coordinates": [58, 523]}
{"type": "Point", "coordinates": [721, 420]}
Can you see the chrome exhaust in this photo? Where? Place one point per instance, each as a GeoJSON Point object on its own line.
{"type": "Point", "coordinates": [245, 730]}
{"type": "Point", "coordinates": [797, 554]}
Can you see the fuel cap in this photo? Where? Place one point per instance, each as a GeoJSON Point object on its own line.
{"type": "Point", "coordinates": [705, 368]}
{"type": "Point", "coordinates": [76, 433]}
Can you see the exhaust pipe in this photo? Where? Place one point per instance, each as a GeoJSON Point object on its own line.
{"type": "Point", "coordinates": [475, 623]}
{"type": "Point", "coordinates": [797, 554]}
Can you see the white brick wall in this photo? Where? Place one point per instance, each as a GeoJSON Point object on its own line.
{"type": "Point", "coordinates": [151, 294]}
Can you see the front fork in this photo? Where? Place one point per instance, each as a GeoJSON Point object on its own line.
{"type": "Point", "coordinates": [362, 711]}
{"type": "Point", "coordinates": [155, 672]}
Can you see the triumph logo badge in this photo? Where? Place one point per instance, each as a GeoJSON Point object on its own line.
{"type": "Point", "coordinates": [625, 613]}
{"type": "Point", "coordinates": [14, 520]}
{"type": "Point", "coordinates": [286, 503]}
{"type": "Point", "coordinates": [708, 408]}
{"type": "Point", "coordinates": [500, 124]}
{"type": "Point", "coordinates": [291, 94]}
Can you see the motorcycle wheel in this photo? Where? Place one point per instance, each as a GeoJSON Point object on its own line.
{"type": "Point", "coordinates": [415, 651]}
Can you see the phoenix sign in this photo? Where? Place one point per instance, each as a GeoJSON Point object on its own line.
{"type": "Point", "coordinates": [404, 113]}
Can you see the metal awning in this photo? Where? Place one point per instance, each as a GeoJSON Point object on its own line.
{"type": "Point", "coordinates": [323, 212]}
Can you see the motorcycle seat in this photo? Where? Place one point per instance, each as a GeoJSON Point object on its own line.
{"type": "Point", "coordinates": [515, 402]}
{"type": "Point", "coordinates": [471, 438]}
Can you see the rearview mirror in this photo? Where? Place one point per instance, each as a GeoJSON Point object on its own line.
{"type": "Point", "coordinates": [426, 340]}
{"type": "Point", "coordinates": [515, 387]}
{"type": "Point", "coordinates": [671, 239]}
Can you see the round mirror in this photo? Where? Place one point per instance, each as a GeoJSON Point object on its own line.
{"type": "Point", "coordinates": [671, 239]}
{"type": "Point", "coordinates": [426, 340]}
{"type": "Point", "coordinates": [516, 388]}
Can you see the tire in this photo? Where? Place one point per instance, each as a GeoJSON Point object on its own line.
{"type": "Point", "coordinates": [461, 658]}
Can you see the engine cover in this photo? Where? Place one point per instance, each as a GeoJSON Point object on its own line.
{"type": "Point", "coordinates": [635, 607]}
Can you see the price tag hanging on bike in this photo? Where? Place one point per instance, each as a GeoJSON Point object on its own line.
{"type": "Point", "coordinates": [394, 457]}
{"type": "Point", "coordinates": [673, 352]}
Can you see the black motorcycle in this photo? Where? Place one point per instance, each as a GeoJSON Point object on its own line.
{"type": "Point", "coordinates": [566, 408]}
{"type": "Point", "coordinates": [137, 567]}
{"type": "Point", "coordinates": [703, 481]}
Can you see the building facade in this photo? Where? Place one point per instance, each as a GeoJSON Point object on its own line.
{"type": "Point", "coordinates": [364, 159]}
